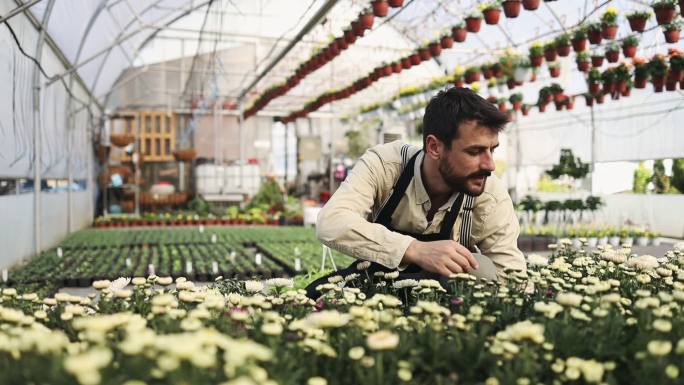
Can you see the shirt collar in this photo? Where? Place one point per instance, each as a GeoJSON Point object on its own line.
{"type": "Point", "coordinates": [420, 193]}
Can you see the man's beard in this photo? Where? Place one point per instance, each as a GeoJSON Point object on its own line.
{"type": "Point", "coordinates": [460, 183]}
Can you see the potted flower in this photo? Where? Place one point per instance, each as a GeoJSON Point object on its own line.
{"type": "Point", "coordinates": [545, 95]}
{"type": "Point", "coordinates": [614, 237]}
{"type": "Point", "coordinates": [525, 108]}
{"type": "Point", "coordinates": [641, 72]}
{"type": "Point", "coordinates": [521, 69]}
{"type": "Point", "coordinates": [676, 64]}
{"type": "Point", "coordinates": [396, 3]}
{"type": "Point", "coordinates": [613, 53]}
{"type": "Point", "coordinates": [653, 238]}
{"type": "Point", "coordinates": [629, 46]}
{"type": "Point", "coordinates": [588, 98]}
{"type": "Point", "coordinates": [472, 74]}
{"type": "Point", "coordinates": [406, 63]}
{"type": "Point", "coordinates": [556, 92]}
{"type": "Point", "coordinates": [622, 75]}
{"type": "Point", "coordinates": [415, 58]}
{"type": "Point", "coordinates": [597, 58]}
{"type": "Point", "coordinates": [609, 25]}
{"type": "Point", "coordinates": [501, 103]}
{"type": "Point", "coordinates": [491, 12]}
{"type": "Point", "coordinates": [396, 67]}
{"type": "Point", "coordinates": [459, 32]}
{"type": "Point", "coordinates": [593, 79]}
{"type": "Point", "coordinates": [550, 53]}
{"type": "Point", "coordinates": [664, 11]}
{"type": "Point", "coordinates": [579, 40]}
{"type": "Point", "coordinates": [531, 5]}
{"type": "Point", "coordinates": [380, 8]}
{"type": "Point", "coordinates": [435, 49]}
{"type": "Point", "coordinates": [473, 22]}
{"type": "Point", "coordinates": [424, 53]}
{"type": "Point", "coordinates": [512, 8]}
{"type": "Point", "coordinates": [637, 20]}
{"type": "Point", "coordinates": [583, 61]}
{"type": "Point", "coordinates": [516, 100]}
{"type": "Point", "coordinates": [562, 43]}
{"type": "Point", "coordinates": [657, 68]}
{"type": "Point", "coordinates": [366, 20]}
{"type": "Point", "coordinates": [536, 54]}
{"type": "Point", "coordinates": [458, 80]}
{"type": "Point", "coordinates": [608, 80]}
{"type": "Point", "coordinates": [446, 41]}
{"type": "Point", "coordinates": [594, 33]}
{"type": "Point", "coordinates": [357, 28]}
{"type": "Point", "coordinates": [487, 71]}
{"type": "Point", "coordinates": [672, 31]}
{"type": "Point", "coordinates": [641, 237]}
{"type": "Point", "coordinates": [554, 69]}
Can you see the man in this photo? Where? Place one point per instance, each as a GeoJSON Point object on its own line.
{"type": "Point", "coordinates": [402, 206]}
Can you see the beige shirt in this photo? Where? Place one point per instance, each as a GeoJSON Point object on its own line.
{"type": "Point", "coordinates": [346, 222]}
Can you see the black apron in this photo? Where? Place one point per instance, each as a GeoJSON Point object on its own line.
{"type": "Point", "coordinates": [384, 218]}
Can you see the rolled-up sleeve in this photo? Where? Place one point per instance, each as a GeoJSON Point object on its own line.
{"type": "Point", "coordinates": [343, 222]}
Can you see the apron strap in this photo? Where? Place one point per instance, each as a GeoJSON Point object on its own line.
{"type": "Point", "coordinates": [385, 216]}
{"type": "Point", "coordinates": [450, 218]}
{"type": "Point", "coordinates": [467, 223]}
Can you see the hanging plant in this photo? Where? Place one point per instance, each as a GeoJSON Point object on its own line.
{"type": "Point", "coordinates": [557, 92]}
{"type": "Point", "coordinates": [629, 46]}
{"type": "Point", "coordinates": [525, 108]}
{"type": "Point", "coordinates": [583, 61]}
{"type": "Point", "coordinates": [446, 41]}
{"type": "Point", "coordinates": [424, 53]}
{"type": "Point", "coordinates": [637, 20]}
{"type": "Point", "coordinates": [579, 40]}
{"type": "Point", "coordinates": [501, 103]}
{"type": "Point", "coordinates": [380, 8]}
{"type": "Point", "coordinates": [589, 99]}
{"type": "Point", "coordinates": [531, 5]}
{"type": "Point", "coordinates": [512, 8]}
{"type": "Point", "coordinates": [609, 25]}
{"type": "Point", "coordinates": [474, 22]}
{"type": "Point", "coordinates": [550, 53]}
{"type": "Point", "coordinates": [593, 80]}
{"type": "Point", "coordinates": [396, 3]}
{"type": "Point", "coordinates": [458, 80]}
{"type": "Point", "coordinates": [366, 20]}
{"type": "Point", "coordinates": [472, 74]}
{"type": "Point", "coordinates": [415, 58]}
{"type": "Point", "coordinates": [491, 12]}
{"type": "Point", "coordinates": [641, 72]}
{"type": "Point", "coordinates": [623, 76]}
{"type": "Point", "coordinates": [459, 32]}
{"type": "Point", "coordinates": [608, 80]}
{"type": "Point", "coordinates": [545, 96]}
{"type": "Point", "coordinates": [406, 63]}
{"type": "Point", "coordinates": [594, 33]}
{"type": "Point", "coordinates": [597, 58]}
{"type": "Point", "coordinates": [569, 165]}
{"type": "Point", "coordinates": [672, 32]}
{"type": "Point", "coordinates": [676, 63]}
{"type": "Point", "coordinates": [487, 71]}
{"type": "Point", "coordinates": [396, 67]}
{"type": "Point", "coordinates": [536, 54]}
{"type": "Point", "coordinates": [435, 49]}
{"type": "Point", "coordinates": [613, 53]}
{"type": "Point", "coordinates": [554, 69]}
{"type": "Point", "coordinates": [562, 43]}
{"type": "Point", "coordinates": [657, 68]}
{"type": "Point", "coordinates": [664, 11]}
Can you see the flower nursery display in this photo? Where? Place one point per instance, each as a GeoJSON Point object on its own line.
{"type": "Point", "coordinates": [605, 317]}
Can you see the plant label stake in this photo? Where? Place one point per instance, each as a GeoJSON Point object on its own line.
{"type": "Point", "coordinates": [201, 228]}
{"type": "Point", "coordinates": [232, 255]}
{"type": "Point", "coordinates": [214, 267]}
{"type": "Point", "coordinates": [128, 262]}
{"type": "Point", "coordinates": [188, 267]}
{"type": "Point", "coordinates": [213, 238]}
{"type": "Point", "coordinates": [257, 259]}
{"type": "Point", "coordinates": [150, 269]}
{"type": "Point", "coordinates": [4, 275]}
{"type": "Point", "coordinates": [298, 264]}
{"type": "Point", "coordinates": [327, 252]}
{"type": "Point", "coordinates": [59, 252]}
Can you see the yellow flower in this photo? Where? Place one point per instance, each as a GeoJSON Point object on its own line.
{"type": "Point", "coordinates": [672, 371]}
{"type": "Point", "coordinates": [612, 10]}
{"type": "Point", "coordinates": [317, 381]}
{"type": "Point", "coordinates": [404, 374]}
{"type": "Point", "coordinates": [659, 348]}
{"type": "Point", "coordinates": [272, 329]}
{"type": "Point", "coordinates": [382, 340]}
{"type": "Point", "coordinates": [662, 325]}
{"type": "Point", "coordinates": [356, 353]}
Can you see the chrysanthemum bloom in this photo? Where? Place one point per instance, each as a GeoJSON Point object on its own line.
{"type": "Point", "coordinates": [569, 299]}
{"type": "Point", "coordinates": [659, 348]}
{"type": "Point", "coordinates": [254, 286]}
{"type": "Point", "coordinates": [382, 340]}
{"type": "Point", "coordinates": [356, 353]}
{"type": "Point", "coordinates": [102, 284]}
{"type": "Point", "coordinates": [138, 281]}
{"type": "Point", "coordinates": [164, 281]}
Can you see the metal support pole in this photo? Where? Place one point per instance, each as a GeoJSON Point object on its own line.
{"type": "Point", "coordinates": [593, 150]}
{"type": "Point", "coordinates": [241, 133]}
{"type": "Point", "coordinates": [37, 140]}
{"type": "Point", "coordinates": [136, 165]}
{"type": "Point", "coordinates": [18, 10]}
{"type": "Point", "coordinates": [70, 176]}
{"type": "Point", "coordinates": [287, 126]}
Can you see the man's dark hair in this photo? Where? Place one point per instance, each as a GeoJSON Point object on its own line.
{"type": "Point", "coordinates": [449, 108]}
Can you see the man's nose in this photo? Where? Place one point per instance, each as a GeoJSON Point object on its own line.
{"type": "Point", "coordinates": [487, 162]}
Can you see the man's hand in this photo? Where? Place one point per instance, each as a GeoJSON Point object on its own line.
{"type": "Point", "coordinates": [441, 257]}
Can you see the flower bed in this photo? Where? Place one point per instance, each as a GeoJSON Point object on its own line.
{"type": "Point", "coordinates": [601, 318]}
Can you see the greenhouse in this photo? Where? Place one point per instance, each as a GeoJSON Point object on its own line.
{"type": "Point", "coordinates": [341, 192]}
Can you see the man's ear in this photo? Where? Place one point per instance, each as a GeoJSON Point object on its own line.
{"type": "Point", "coordinates": [434, 148]}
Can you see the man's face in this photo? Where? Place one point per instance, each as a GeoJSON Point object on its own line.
{"type": "Point", "coordinates": [466, 166]}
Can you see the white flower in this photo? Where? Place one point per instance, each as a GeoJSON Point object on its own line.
{"type": "Point", "coordinates": [119, 283]}
{"type": "Point", "coordinates": [662, 325]}
{"type": "Point", "coordinates": [123, 293]}
{"type": "Point", "coordinates": [382, 340]}
{"type": "Point", "coordinates": [356, 353]}
{"type": "Point", "coordinates": [279, 282]}
{"type": "Point", "coordinates": [392, 275]}
{"type": "Point", "coordinates": [103, 284]}
{"type": "Point", "coordinates": [569, 299]}
{"type": "Point", "coordinates": [327, 319]}
{"type": "Point", "coordinates": [317, 381]}
{"type": "Point", "coordinates": [254, 286]}
{"type": "Point", "coordinates": [548, 309]}
{"type": "Point", "coordinates": [272, 329]}
{"type": "Point", "coordinates": [537, 260]}
{"type": "Point", "coordinates": [643, 262]}
{"type": "Point", "coordinates": [139, 281]}
{"type": "Point", "coordinates": [404, 283]}
{"type": "Point", "coordinates": [659, 348]}
{"type": "Point", "coordinates": [363, 265]}
{"type": "Point", "coordinates": [164, 281]}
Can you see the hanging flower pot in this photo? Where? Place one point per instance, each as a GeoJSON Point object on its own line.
{"type": "Point", "coordinates": [446, 42]}
{"type": "Point", "coordinates": [396, 67]}
{"type": "Point", "coordinates": [415, 59]}
{"type": "Point", "coordinates": [594, 33]}
{"type": "Point", "coordinates": [386, 70]}
{"type": "Point", "coordinates": [366, 20]}
{"type": "Point", "coordinates": [512, 8]}
{"type": "Point", "coordinates": [435, 49]}
{"type": "Point", "coordinates": [349, 36]}
{"type": "Point", "coordinates": [658, 83]}
{"type": "Point", "coordinates": [502, 106]}
{"type": "Point", "coordinates": [609, 31]}
{"type": "Point", "coordinates": [563, 50]}
{"type": "Point", "coordinates": [637, 20]}
{"type": "Point", "coordinates": [621, 85]}
{"type": "Point", "coordinates": [531, 5]}
{"type": "Point", "coordinates": [459, 34]}
{"type": "Point", "coordinates": [487, 72]}
{"type": "Point", "coordinates": [612, 56]}
{"type": "Point", "coordinates": [472, 75]}
{"type": "Point", "coordinates": [121, 140]}
{"type": "Point", "coordinates": [589, 100]}
{"type": "Point", "coordinates": [406, 63]}
{"type": "Point", "coordinates": [594, 88]}
{"type": "Point", "coordinates": [550, 53]}
{"type": "Point", "coordinates": [510, 83]}
{"type": "Point", "coordinates": [596, 60]}
{"type": "Point", "coordinates": [520, 74]}
{"type": "Point", "coordinates": [459, 83]}
{"type": "Point", "coordinates": [342, 43]}
{"type": "Point", "coordinates": [600, 98]}
{"type": "Point", "coordinates": [640, 82]}
{"type": "Point", "coordinates": [542, 107]}
{"type": "Point", "coordinates": [671, 85]}
{"type": "Point", "coordinates": [380, 8]}
{"type": "Point", "coordinates": [554, 71]}
{"type": "Point", "coordinates": [583, 65]}
{"type": "Point", "coordinates": [492, 15]}
{"type": "Point", "coordinates": [536, 61]}
{"type": "Point", "coordinates": [664, 12]}
{"type": "Point", "coordinates": [424, 54]}
{"type": "Point", "coordinates": [579, 45]}
{"type": "Point", "coordinates": [672, 33]}
{"type": "Point", "coordinates": [629, 50]}
{"type": "Point", "coordinates": [396, 3]}
{"type": "Point", "coordinates": [626, 92]}
{"type": "Point", "coordinates": [517, 105]}
{"type": "Point", "coordinates": [357, 28]}
{"type": "Point", "coordinates": [185, 154]}
{"type": "Point", "coordinates": [525, 109]}
{"type": "Point", "coordinates": [473, 23]}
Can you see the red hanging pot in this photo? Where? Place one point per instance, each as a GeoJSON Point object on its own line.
{"type": "Point", "coordinates": [671, 85]}
{"type": "Point", "coordinates": [579, 45]}
{"type": "Point", "coordinates": [435, 49]}
{"type": "Point", "coordinates": [681, 7]}
{"type": "Point", "coordinates": [341, 43]}
{"type": "Point", "coordinates": [542, 107]}
{"type": "Point", "coordinates": [563, 50]}
{"type": "Point", "coordinates": [517, 106]}
{"type": "Point", "coordinates": [415, 59]}
{"type": "Point", "coordinates": [525, 110]}
{"type": "Point", "coordinates": [380, 8]}
{"type": "Point", "coordinates": [531, 5]}
{"type": "Point", "coordinates": [492, 16]}
{"type": "Point", "coordinates": [596, 61]}
{"type": "Point", "coordinates": [613, 56]}
{"type": "Point", "coordinates": [510, 83]}
{"type": "Point", "coordinates": [665, 14]}
{"type": "Point", "coordinates": [473, 24]}
{"type": "Point", "coordinates": [396, 3]}
{"type": "Point", "coordinates": [600, 98]}
{"type": "Point", "coordinates": [609, 31]}
{"type": "Point", "coordinates": [672, 36]}
{"type": "Point", "coordinates": [589, 100]}
{"type": "Point", "coordinates": [472, 77]}
{"type": "Point", "coordinates": [459, 83]}
{"type": "Point", "coordinates": [459, 34]}
{"type": "Point", "coordinates": [424, 54]}
{"type": "Point", "coordinates": [550, 54]}
{"type": "Point", "coordinates": [629, 50]}
{"type": "Point", "coordinates": [447, 42]}
{"type": "Point", "coordinates": [594, 36]}
{"type": "Point", "coordinates": [640, 82]}
{"type": "Point", "coordinates": [487, 72]}
{"type": "Point", "coordinates": [658, 83]}
{"type": "Point", "coordinates": [366, 20]}
{"type": "Point", "coordinates": [570, 104]}
{"type": "Point", "coordinates": [608, 87]}
{"type": "Point", "coordinates": [621, 86]}
{"type": "Point", "coordinates": [512, 8]}
{"type": "Point", "coordinates": [406, 63]}
{"type": "Point", "coordinates": [396, 67]}
{"type": "Point", "coordinates": [558, 97]}
{"type": "Point", "coordinates": [583, 66]}
{"type": "Point", "coordinates": [349, 36]}
{"type": "Point", "coordinates": [675, 74]}
{"type": "Point", "coordinates": [503, 107]}
{"type": "Point", "coordinates": [357, 28]}
{"type": "Point", "coordinates": [594, 88]}
{"type": "Point", "coordinates": [387, 70]}
{"type": "Point", "coordinates": [536, 61]}
{"type": "Point", "coordinates": [637, 23]}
